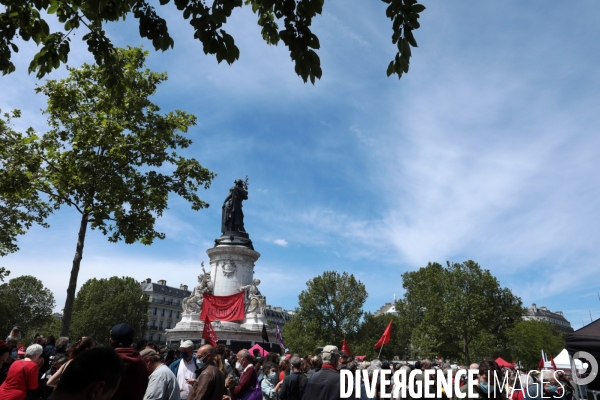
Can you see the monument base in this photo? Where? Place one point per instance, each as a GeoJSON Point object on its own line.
{"type": "Point", "coordinates": [254, 322]}
{"type": "Point", "coordinates": [236, 336]}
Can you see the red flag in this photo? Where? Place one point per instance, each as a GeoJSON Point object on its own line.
{"type": "Point", "coordinates": [223, 308]}
{"type": "Point", "coordinates": [385, 338]}
{"type": "Point", "coordinates": [541, 364]}
{"type": "Point", "coordinates": [209, 333]}
{"type": "Point", "coordinates": [345, 348]}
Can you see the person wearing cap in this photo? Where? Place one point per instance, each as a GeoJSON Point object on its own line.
{"type": "Point", "coordinates": [185, 368]}
{"type": "Point", "coordinates": [325, 383]}
{"type": "Point", "coordinates": [15, 334]}
{"type": "Point", "coordinates": [162, 383]}
{"type": "Point", "coordinates": [135, 380]}
{"type": "Point", "coordinates": [210, 384]}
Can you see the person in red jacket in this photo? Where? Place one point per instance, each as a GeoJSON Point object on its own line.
{"type": "Point", "coordinates": [135, 379]}
{"type": "Point", "coordinates": [22, 375]}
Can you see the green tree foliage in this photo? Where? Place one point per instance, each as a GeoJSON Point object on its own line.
{"type": "Point", "coordinates": [114, 164]}
{"type": "Point", "coordinates": [288, 21]}
{"type": "Point", "coordinates": [24, 301]}
{"type": "Point", "coordinates": [527, 339]}
{"type": "Point", "coordinates": [3, 273]}
{"type": "Point", "coordinates": [103, 303]}
{"type": "Point", "coordinates": [370, 332]}
{"type": "Point", "coordinates": [328, 310]}
{"type": "Point", "coordinates": [20, 204]}
{"type": "Point", "coordinates": [453, 307]}
{"type": "Point", "coordinates": [52, 327]}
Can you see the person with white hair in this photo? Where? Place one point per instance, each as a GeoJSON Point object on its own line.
{"type": "Point", "coordinates": [547, 388]}
{"type": "Point", "coordinates": [22, 375]}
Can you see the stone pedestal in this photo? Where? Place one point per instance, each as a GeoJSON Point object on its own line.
{"type": "Point", "coordinates": [190, 321]}
{"type": "Point", "coordinates": [254, 322]}
{"type": "Point", "coordinates": [231, 267]}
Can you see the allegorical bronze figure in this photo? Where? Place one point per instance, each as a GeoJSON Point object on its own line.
{"type": "Point", "coordinates": [233, 216]}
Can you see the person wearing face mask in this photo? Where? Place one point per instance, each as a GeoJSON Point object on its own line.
{"type": "Point", "coordinates": [546, 388]}
{"type": "Point", "coordinates": [248, 377]}
{"type": "Point", "coordinates": [185, 368]}
{"type": "Point", "coordinates": [210, 384]}
{"type": "Point", "coordinates": [482, 390]}
{"type": "Point", "coordinates": [269, 381]}
{"type": "Point", "coordinates": [22, 375]}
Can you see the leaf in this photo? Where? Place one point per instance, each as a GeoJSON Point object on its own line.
{"type": "Point", "coordinates": [417, 8]}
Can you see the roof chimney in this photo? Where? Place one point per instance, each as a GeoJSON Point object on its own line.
{"type": "Point", "coordinates": [162, 282]}
{"type": "Point", "coordinates": [543, 308]}
{"type": "Point", "coordinates": [559, 313]}
{"type": "Point", "coordinates": [148, 280]}
{"type": "Point", "coordinates": [183, 287]}
{"type": "Point", "coordinates": [534, 308]}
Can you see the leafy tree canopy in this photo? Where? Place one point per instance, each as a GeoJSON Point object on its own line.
{"type": "Point", "coordinates": [527, 339]}
{"type": "Point", "coordinates": [24, 301]}
{"type": "Point", "coordinates": [455, 306]}
{"type": "Point", "coordinates": [328, 310]}
{"type": "Point", "coordinates": [20, 204]}
{"type": "Point", "coordinates": [115, 163]}
{"type": "Point", "coordinates": [288, 21]}
{"type": "Point", "coordinates": [103, 303]}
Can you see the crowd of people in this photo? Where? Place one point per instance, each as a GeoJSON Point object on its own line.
{"type": "Point", "coordinates": [57, 369]}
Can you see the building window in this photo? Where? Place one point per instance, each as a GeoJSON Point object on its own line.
{"type": "Point", "coordinates": [160, 326]}
{"type": "Point", "coordinates": [170, 313]}
{"type": "Point", "coordinates": [177, 314]}
{"type": "Point", "coordinates": [162, 312]}
{"type": "Point", "coordinates": [158, 339]}
{"type": "Point", "coordinates": [153, 324]}
{"type": "Point", "coordinates": [151, 337]}
{"type": "Point", "coordinates": [168, 325]}
{"type": "Point", "coordinates": [155, 309]}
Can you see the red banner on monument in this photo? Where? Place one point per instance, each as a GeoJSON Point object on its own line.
{"type": "Point", "coordinates": [223, 308]}
{"type": "Point", "coordinates": [209, 333]}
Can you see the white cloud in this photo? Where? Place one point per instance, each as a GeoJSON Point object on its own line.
{"type": "Point", "coordinates": [280, 242]}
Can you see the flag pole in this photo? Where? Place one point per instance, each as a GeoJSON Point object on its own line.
{"type": "Point", "coordinates": [381, 348]}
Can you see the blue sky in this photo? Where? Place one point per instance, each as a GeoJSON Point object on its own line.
{"type": "Point", "coordinates": [486, 150]}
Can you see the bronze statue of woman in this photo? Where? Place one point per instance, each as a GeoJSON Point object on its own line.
{"type": "Point", "coordinates": [233, 216]}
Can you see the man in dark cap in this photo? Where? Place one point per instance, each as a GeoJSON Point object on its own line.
{"type": "Point", "coordinates": [135, 380]}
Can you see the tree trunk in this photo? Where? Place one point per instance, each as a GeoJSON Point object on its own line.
{"type": "Point", "coordinates": [466, 351]}
{"type": "Point", "coordinates": [68, 310]}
